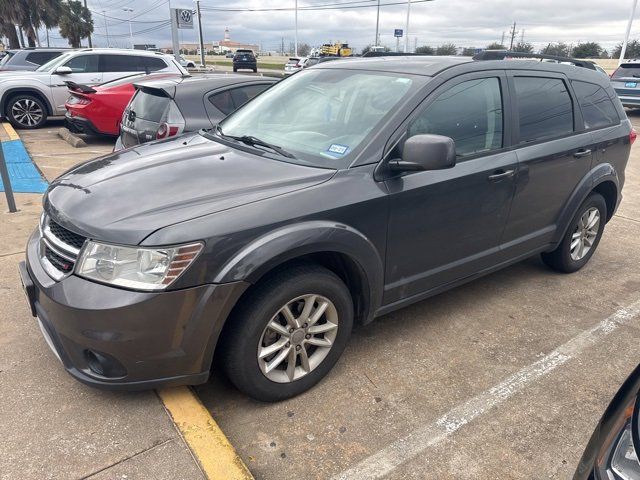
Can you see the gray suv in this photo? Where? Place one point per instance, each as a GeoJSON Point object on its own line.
{"type": "Point", "coordinates": [29, 58]}
{"type": "Point", "coordinates": [340, 194]}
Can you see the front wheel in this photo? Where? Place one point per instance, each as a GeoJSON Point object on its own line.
{"type": "Point", "coordinates": [582, 237]}
{"type": "Point", "coordinates": [26, 111]}
{"type": "Point", "coordinates": [288, 333]}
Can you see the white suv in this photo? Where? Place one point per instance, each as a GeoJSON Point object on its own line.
{"type": "Point", "coordinates": [28, 98]}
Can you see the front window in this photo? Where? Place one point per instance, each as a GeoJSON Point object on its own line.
{"type": "Point", "coordinates": [322, 117]}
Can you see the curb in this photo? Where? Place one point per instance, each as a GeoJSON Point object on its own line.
{"type": "Point", "coordinates": [71, 138]}
{"type": "Point", "coordinates": [208, 443]}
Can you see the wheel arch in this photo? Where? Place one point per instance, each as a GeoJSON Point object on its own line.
{"type": "Point", "coordinates": [339, 248]}
{"type": "Point", "coordinates": [12, 92]}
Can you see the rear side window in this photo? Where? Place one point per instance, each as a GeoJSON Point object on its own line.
{"type": "Point", "coordinates": [149, 105]}
{"type": "Point", "coordinates": [40, 58]}
{"type": "Point", "coordinates": [627, 70]}
{"type": "Point", "coordinates": [470, 113]}
{"type": "Point", "coordinates": [131, 63]}
{"type": "Point", "coordinates": [545, 109]}
{"type": "Point", "coordinates": [597, 108]}
{"type": "Point", "coordinates": [151, 64]}
{"type": "Point", "coordinates": [83, 64]}
{"type": "Point", "coordinates": [230, 100]}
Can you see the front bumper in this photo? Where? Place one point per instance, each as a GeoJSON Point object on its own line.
{"type": "Point", "coordinates": [120, 339]}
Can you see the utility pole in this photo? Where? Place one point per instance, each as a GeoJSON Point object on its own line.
{"type": "Point", "coordinates": [296, 35]}
{"type": "Point", "coordinates": [106, 28]}
{"type": "Point", "coordinates": [202, 64]}
{"type": "Point", "coordinates": [47, 30]}
{"type": "Point", "coordinates": [623, 50]}
{"type": "Point", "coordinates": [282, 46]}
{"type": "Point", "coordinates": [89, 37]}
{"type": "Point", "coordinates": [522, 36]}
{"type": "Point", "coordinates": [130, 10]}
{"type": "Point", "coordinates": [502, 40]}
{"type": "Point", "coordinates": [406, 31]}
{"type": "Point", "coordinates": [513, 34]}
{"type": "Point", "coordinates": [377, 24]}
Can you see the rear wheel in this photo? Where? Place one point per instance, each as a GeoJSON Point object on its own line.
{"type": "Point", "coordinates": [582, 237]}
{"type": "Point", "coordinates": [288, 333]}
{"type": "Point", "coordinates": [26, 111]}
{"type": "Point", "coordinates": [255, 70]}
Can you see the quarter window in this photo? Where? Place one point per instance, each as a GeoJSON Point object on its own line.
{"type": "Point", "coordinates": [597, 108]}
{"type": "Point", "coordinates": [544, 108]}
{"type": "Point", "coordinates": [230, 100]}
{"type": "Point", "coordinates": [470, 113]}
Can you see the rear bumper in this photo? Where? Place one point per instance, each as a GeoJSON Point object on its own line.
{"type": "Point", "coordinates": [629, 100]}
{"type": "Point", "coordinates": [77, 124]}
{"type": "Point", "coordinates": [112, 338]}
{"type": "Point", "coordinates": [245, 65]}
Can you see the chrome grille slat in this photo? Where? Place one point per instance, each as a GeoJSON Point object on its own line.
{"type": "Point", "coordinates": [59, 248]}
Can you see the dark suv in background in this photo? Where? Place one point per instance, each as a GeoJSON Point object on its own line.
{"type": "Point", "coordinates": [166, 108]}
{"type": "Point", "coordinates": [29, 58]}
{"type": "Point", "coordinates": [340, 194]}
{"type": "Point", "coordinates": [245, 60]}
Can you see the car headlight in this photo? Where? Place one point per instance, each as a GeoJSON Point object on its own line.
{"type": "Point", "coordinates": [138, 268]}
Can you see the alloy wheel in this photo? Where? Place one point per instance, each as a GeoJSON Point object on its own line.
{"type": "Point", "coordinates": [585, 234]}
{"type": "Point", "coordinates": [297, 338]}
{"type": "Point", "coordinates": [27, 112]}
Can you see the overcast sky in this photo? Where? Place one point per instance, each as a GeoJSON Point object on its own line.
{"type": "Point", "coordinates": [468, 23]}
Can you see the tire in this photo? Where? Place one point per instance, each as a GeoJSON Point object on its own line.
{"type": "Point", "coordinates": [235, 69]}
{"type": "Point", "coordinates": [249, 333]}
{"type": "Point", "coordinates": [191, 65]}
{"type": "Point", "coordinates": [26, 112]}
{"type": "Point", "coordinates": [561, 259]}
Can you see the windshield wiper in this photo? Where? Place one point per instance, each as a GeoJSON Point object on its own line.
{"type": "Point", "coordinates": [255, 142]}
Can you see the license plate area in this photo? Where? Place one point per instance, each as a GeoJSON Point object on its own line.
{"type": "Point", "coordinates": [631, 84]}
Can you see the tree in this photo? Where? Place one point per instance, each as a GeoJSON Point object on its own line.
{"type": "Point", "coordinates": [524, 47]}
{"type": "Point", "coordinates": [496, 46]}
{"type": "Point", "coordinates": [9, 17]}
{"type": "Point", "coordinates": [557, 49]}
{"type": "Point", "coordinates": [447, 49]}
{"type": "Point", "coordinates": [33, 14]}
{"type": "Point", "coordinates": [632, 51]}
{"type": "Point", "coordinates": [468, 51]}
{"type": "Point", "coordinates": [304, 49]}
{"type": "Point", "coordinates": [75, 22]}
{"type": "Point", "coordinates": [425, 50]}
{"type": "Point", "coordinates": [587, 50]}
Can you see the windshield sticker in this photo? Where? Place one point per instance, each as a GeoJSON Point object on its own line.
{"type": "Point", "coordinates": [337, 149]}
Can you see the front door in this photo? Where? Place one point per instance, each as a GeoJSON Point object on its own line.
{"type": "Point", "coordinates": [446, 225]}
{"type": "Point", "coordinates": [84, 69]}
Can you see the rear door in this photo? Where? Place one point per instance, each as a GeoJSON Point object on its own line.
{"type": "Point", "coordinates": [554, 151]}
{"type": "Point", "coordinates": [84, 69]}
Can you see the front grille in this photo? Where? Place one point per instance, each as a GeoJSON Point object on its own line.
{"type": "Point", "coordinates": [65, 235]}
{"type": "Point", "coordinates": [59, 248]}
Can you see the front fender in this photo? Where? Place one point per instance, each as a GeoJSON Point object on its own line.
{"type": "Point", "coordinates": [293, 241]}
{"type": "Point", "coordinates": [601, 173]}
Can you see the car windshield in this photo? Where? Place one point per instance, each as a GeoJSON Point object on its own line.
{"type": "Point", "coordinates": [54, 63]}
{"type": "Point", "coordinates": [6, 58]}
{"type": "Point", "coordinates": [627, 70]}
{"type": "Point", "coordinates": [321, 117]}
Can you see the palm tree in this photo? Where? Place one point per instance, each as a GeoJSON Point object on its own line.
{"type": "Point", "coordinates": [75, 22]}
{"type": "Point", "coordinates": [9, 17]}
{"type": "Point", "coordinates": [37, 13]}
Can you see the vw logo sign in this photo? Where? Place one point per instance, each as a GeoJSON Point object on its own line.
{"type": "Point", "coordinates": [185, 16]}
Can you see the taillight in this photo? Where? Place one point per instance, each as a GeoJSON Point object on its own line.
{"type": "Point", "coordinates": [167, 130]}
{"type": "Point", "coordinates": [78, 100]}
{"type": "Point", "coordinates": [632, 136]}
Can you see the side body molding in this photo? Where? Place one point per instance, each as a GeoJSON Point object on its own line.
{"type": "Point", "coordinates": [293, 241]}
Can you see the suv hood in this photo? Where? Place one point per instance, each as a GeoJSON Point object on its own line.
{"type": "Point", "coordinates": [126, 196]}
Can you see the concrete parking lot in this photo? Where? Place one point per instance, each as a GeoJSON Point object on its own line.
{"type": "Point", "coordinates": [505, 377]}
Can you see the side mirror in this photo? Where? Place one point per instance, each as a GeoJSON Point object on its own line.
{"type": "Point", "coordinates": [63, 70]}
{"type": "Point", "coordinates": [426, 152]}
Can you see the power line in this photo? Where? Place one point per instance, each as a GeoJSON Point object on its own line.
{"type": "Point", "coordinates": [309, 8]}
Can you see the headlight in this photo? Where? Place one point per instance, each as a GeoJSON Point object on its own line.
{"type": "Point", "coordinates": [135, 267]}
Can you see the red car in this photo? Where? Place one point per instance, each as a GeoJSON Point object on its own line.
{"type": "Point", "coordinates": [98, 110]}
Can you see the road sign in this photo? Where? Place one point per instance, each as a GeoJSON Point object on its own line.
{"type": "Point", "coordinates": [185, 18]}
{"type": "Point", "coordinates": [397, 32]}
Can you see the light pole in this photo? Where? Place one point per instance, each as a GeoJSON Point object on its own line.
{"type": "Point", "coordinates": [377, 24]}
{"type": "Point", "coordinates": [106, 28]}
{"type": "Point", "coordinates": [406, 31]}
{"type": "Point", "coordinates": [296, 36]}
{"type": "Point", "coordinates": [130, 10]}
{"type": "Point", "coordinates": [623, 50]}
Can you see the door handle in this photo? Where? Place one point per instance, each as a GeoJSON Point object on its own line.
{"type": "Point", "coordinates": [500, 174]}
{"type": "Point", "coordinates": [583, 152]}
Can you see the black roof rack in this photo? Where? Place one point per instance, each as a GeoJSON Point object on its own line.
{"type": "Point", "coordinates": [508, 55]}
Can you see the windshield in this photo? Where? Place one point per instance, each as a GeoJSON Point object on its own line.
{"type": "Point", "coordinates": [6, 58]}
{"type": "Point", "coordinates": [54, 63]}
{"type": "Point", "coordinates": [627, 70]}
{"type": "Point", "coordinates": [320, 116]}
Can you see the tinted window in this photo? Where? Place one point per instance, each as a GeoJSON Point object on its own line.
{"type": "Point", "coordinates": [40, 58]}
{"type": "Point", "coordinates": [149, 105]}
{"type": "Point", "coordinates": [470, 113]}
{"type": "Point", "coordinates": [121, 63]}
{"type": "Point", "coordinates": [627, 70]}
{"type": "Point", "coordinates": [6, 58]}
{"type": "Point", "coordinates": [223, 102]}
{"type": "Point", "coordinates": [83, 64]}
{"type": "Point", "coordinates": [152, 64]}
{"type": "Point", "coordinates": [243, 94]}
{"type": "Point", "coordinates": [597, 108]}
{"type": "Point", "coordinates": [544, 108]}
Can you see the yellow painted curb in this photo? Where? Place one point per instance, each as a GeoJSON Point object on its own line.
{"type": "Point", "coordinates": [218, 459]}
{"type": "Point", "coordinates": [10, 131]}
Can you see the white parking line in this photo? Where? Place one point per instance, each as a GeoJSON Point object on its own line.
{"type": "Point", "coordinates": [386, 460]}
